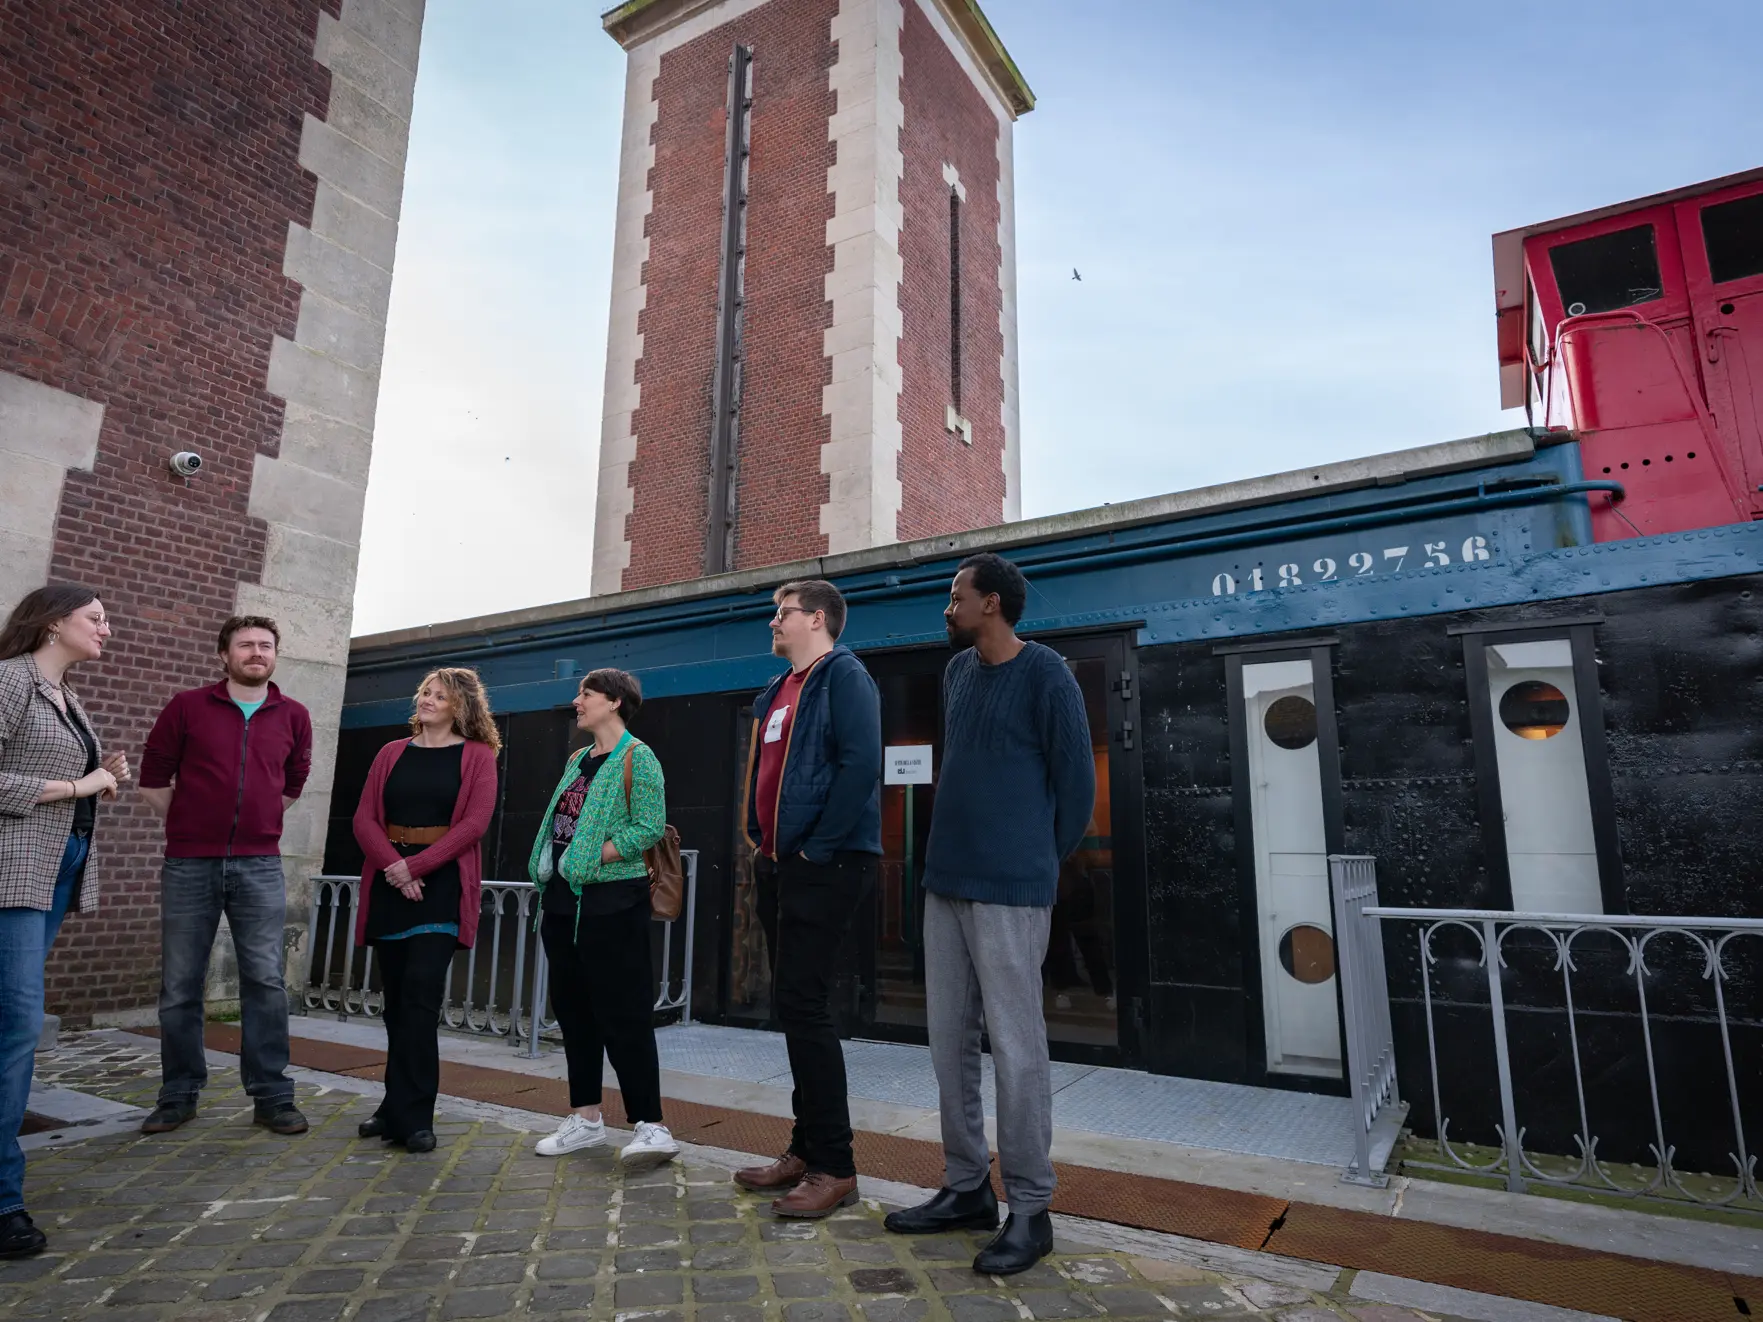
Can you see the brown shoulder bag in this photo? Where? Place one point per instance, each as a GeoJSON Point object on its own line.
{"type": "Point", "coordinates": [667, 876]}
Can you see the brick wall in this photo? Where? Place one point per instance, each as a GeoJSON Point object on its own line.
{"type": "Point", "coordinates": [780, 486]}
{"type": "Point", "coordinates": [156, 172]}
{"type": "Point", "coordinates": [192, 258]}
{"type": "Point", "coordinates": [947, 486]}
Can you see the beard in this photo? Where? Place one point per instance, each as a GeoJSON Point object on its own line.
{"type": "Point", "coordinates": [962, 639]}
{"type": "Point", "coordinates": [251, 675]}
{"type": "Point", "coordinates": [777, 646]}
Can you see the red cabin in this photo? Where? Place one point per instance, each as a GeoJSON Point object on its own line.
{"type": "Point", "coordinates": [1638, 330]}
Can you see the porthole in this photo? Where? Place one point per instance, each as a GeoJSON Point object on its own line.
{"type": "Point", "coordinates": [1291, 722]}
{"type": "Point", "coordinates": [1532, 709]}
{"type": "Point", "coordinates": [1307, 953]}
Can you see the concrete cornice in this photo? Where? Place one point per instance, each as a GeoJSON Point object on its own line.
{"type": "Point", "coordinates": [982, 39]}
{"type": "Point", "coordinates": [637, 21]}
{"type": "Point", "coordinates": [1352, 474]}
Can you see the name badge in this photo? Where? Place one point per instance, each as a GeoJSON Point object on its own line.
{"type": "Point", "coordinates": [774, 728]}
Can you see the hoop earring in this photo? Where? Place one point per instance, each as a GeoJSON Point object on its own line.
{"type": "Point", "coordinates": [54, 637]}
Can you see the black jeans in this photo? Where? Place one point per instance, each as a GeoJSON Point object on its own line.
{"type": "Point", "coordinates": [603, 992]}
{"type": "Point", "coordinates": [806, 909]}
{"type": "Point", "coordinates": [413, 977]}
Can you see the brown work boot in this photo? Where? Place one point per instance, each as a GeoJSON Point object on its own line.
{"type": "Point", "coordinates": [819, 1194]}
{"type": "Point", "coordinates": [781, 1174]}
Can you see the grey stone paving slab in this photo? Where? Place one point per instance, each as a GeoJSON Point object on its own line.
{"type": "Point", "coordinates": [224, 1222]}
{"type": "Point", "coordinates": [1123, 1103]}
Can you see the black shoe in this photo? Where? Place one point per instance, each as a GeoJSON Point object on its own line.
{"type": "Point", "coordinates": [280, 1118]}
{"type": "Point", "coordinates": [423, 1140]}
{"type": "Point", "coordinates": [1023, 1242]}
{"type": "Point", "coordinates": [372, 1127]}
{"type": "Point", "coordinates": [167, 1116]}
{"type": "Point", "coordinates": [976, 1209]}
{"type": "Point", "coordinates": [19, 1236]}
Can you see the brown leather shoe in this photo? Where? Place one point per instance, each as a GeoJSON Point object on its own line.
{"type": "Point", "coordinates": [781, 1174]}
{"type": "Point", "coordinates": [819, 1194]}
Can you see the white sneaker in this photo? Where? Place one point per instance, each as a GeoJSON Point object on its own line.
{"type": "Point", "coordinates": [651, 1145]}
{"type": "Point", "coordinates": [573, 1135]}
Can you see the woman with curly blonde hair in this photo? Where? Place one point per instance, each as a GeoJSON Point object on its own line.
{"type": "Point", "coordinates": [422, 817]}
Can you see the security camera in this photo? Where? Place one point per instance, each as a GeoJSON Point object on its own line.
{"type": "Point", "coordinates": [186, 463]}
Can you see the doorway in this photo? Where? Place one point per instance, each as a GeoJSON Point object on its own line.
{"type": "Point", "coordinates": [1093, 975]}
{"type": "Point", "coordinates": [1093, 978]}
{"type": "Point", "coordinates": [1295, 926]}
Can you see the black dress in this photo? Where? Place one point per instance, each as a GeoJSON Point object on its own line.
{"type": "Point", "coordinates": [421, 790]}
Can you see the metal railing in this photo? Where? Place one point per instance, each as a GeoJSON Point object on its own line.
{"type": "Point", "coordinates": [1378, 1109]}
{"type": "Point", "coordinates": [506, 993]}
{"type": "Point", "coordinates": [1665, 980]}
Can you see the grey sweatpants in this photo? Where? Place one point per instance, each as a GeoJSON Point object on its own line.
{"type": "Point", "coordinates": [985, 960]}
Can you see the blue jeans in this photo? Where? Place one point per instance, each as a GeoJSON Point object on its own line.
{"type": "Point", "coordinates": [194, 893]}
{"type": "Point", "coordinates": [25, 938]}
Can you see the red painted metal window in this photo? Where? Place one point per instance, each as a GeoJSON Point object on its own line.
{"type": "Point", "coordinates": [1733, 234]}
{"type": "Point", "coordinates": [1608, 271]}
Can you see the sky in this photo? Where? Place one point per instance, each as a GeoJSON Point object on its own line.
{"type": "Point", "coordinates": [1281, 211]}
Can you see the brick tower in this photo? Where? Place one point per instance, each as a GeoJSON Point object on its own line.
{"type": "Point", "coordinates": [812, 345]}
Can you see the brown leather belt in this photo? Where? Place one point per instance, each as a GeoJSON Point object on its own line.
{"type": "Point", "coordinates": [415, 835]}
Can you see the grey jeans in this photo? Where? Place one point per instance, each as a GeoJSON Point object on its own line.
{"type": "Point", "coordinates": [982, 967]}
{"type": "Point", "coordinates": [194, 893]}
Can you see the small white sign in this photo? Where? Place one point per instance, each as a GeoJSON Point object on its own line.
{"type": "Point", "coordinates": [906, 764]}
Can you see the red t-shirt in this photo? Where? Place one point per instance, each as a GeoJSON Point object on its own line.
{"type": "Point", "coordinates": [774, 739]}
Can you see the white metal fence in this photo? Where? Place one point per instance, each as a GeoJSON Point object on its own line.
{"type": "Point", "coordinates": [1662, 984]}
{"type": "Point", "coordinates": [498, 988]}
{"type": "Point", "coordinates": [1378, 1109]}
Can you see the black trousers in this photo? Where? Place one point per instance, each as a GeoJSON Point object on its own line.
{"type": "Point", "coordinates": [413, 975]}
{"type": "Point", "coordinates": [603, 993]}
{"type": "Point", "coordinates": [806, 909]}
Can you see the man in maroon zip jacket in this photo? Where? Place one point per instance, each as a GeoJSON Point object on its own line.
{"type": "Point", "coordinates": [221, 766]}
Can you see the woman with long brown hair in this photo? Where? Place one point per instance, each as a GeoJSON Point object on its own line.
{"type": "Point", "coordinates": [423, 813]}
{"type": "Point", "coordinates": [52, 771]}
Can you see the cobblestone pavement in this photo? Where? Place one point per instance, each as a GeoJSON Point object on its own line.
{"type": "Point", "coordinates": [223, 1222]}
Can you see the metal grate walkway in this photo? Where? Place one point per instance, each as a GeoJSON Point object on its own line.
{"type": "Point", "coordinates": [1226, 1117]}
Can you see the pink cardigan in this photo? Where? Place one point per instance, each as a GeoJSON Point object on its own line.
{"type": "Point", "coordinates": [471, 818]}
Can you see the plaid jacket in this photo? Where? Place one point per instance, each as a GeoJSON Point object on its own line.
{"type": "Point", "coordinates": [37, 744]}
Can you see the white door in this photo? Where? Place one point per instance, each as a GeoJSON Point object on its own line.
{"type": "Point", "coordinates": [1538, 748]}
{"type": "Point", "coordinates": [1291, 871]}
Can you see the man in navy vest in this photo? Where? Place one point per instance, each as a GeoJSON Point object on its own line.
{"type": "Point", "coordinates": [814, 818]}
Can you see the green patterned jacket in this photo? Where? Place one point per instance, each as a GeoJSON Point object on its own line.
{"type": "Point", "coordinates": [605, 817]}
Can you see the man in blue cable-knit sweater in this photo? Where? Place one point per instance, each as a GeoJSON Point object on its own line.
{"type": "Point", "coordinates": [1015, 795]}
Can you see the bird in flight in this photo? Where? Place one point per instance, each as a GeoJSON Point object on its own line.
{"type": "Point", "coordinates": [1074, 274]}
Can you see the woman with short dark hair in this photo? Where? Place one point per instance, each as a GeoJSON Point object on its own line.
{"type": "Point", "coordinates": [587, 862]}
{"type": "Point", "coordinates": [52, 772]}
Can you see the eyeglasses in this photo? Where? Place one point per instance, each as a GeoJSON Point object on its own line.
{"type": "Point", "coordinates": [785, 610]}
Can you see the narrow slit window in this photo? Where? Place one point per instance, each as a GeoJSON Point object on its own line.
{"type": "Point", "coordinates": [955, 298]}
